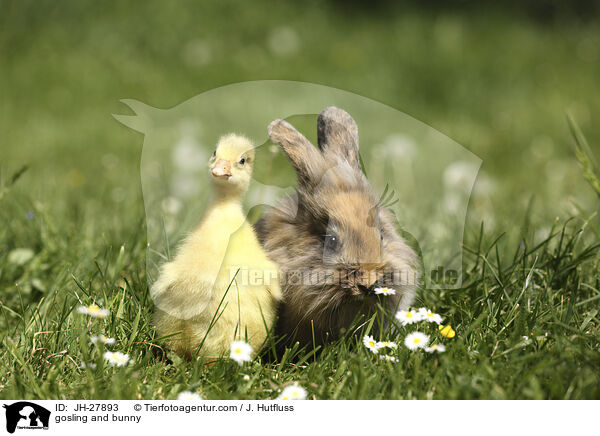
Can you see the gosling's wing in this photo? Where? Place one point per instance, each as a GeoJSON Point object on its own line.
{"type": "Point", "coordinates": [182, 296]}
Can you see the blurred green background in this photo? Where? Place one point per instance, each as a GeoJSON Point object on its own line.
{"type": "Point", "coordinates": [496, 79]}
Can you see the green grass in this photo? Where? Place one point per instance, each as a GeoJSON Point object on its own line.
{"type": "Point", "coordinates": [546, 292]}
{"type": "Point", "coordinates": [499, 83]}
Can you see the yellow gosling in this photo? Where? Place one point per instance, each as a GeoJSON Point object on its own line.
{"type": "Point", "coordinates": [194, 289]}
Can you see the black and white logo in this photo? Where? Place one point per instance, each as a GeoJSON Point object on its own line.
{"type": "Point", "coordinates": [26, 415]}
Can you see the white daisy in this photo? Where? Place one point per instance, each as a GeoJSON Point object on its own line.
{"type": "Point", "coordinates": [408, 317]}
{"type": "Point", "coordinates": [187, 395]}
{"type": "Point", "coordinates": [440, 348]}
{"type": "Point", "coordinates": [103, 339]}
{"type": "Point", "coordinates": [293, 392]}
{"type": "Point", "coordinates": [387, 344]}
{"type": "Point", "coordinates": [371, 344]}
{"type": "Point", "coordinates": [93, 310]}
{"type": "Point", "coordinates": [416, 340]}
{"type": "Point", "coordinates": [388, 358]}
{"type": "Point", "coordinates": [117, 358]}
{"type": "Point", "coordinates": [88, 365]}
{"type": "Point", "coordinates": [429, 316]}
{"type": "Point", "coordinates": [385, 291]}
{"type": "Point", "coordinates": [241, 352]}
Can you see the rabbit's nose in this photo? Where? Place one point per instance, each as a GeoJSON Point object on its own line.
{"type": "Point", "coordinates": [369, 278]}
{"type": "Point", "coordinates": [367, 282]}
{"type": "Point", "coordinates": [364, 289]}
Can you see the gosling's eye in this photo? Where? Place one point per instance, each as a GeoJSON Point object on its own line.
{"type": "Point", "coordinates": [214, 153]}
{"type": "Point", "coordinates": [242, 161]}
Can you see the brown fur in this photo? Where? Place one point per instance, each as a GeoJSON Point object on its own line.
{"type": "Point", "coordinates": [333, 199]}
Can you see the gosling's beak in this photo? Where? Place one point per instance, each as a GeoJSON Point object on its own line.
{"type": "Point", "coordinates": [222, 169]}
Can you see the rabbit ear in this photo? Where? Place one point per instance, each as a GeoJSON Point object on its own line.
{"type": "Point", "coordinates": [305, 157]}
{"type": "Point", "coordinates": [338, 135]}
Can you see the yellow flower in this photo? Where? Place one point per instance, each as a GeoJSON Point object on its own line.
{"type": "Point", "coordinates": [446, 331]}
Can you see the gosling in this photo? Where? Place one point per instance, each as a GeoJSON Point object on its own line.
{"type": "Point", "coordinates": [221, 286]}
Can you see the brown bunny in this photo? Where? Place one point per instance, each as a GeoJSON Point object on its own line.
{"type": "Point", "coordinates": [333, 240]}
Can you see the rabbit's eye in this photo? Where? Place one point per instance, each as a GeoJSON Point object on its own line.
{"type": "Point", "coordinates": [332, 242]}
